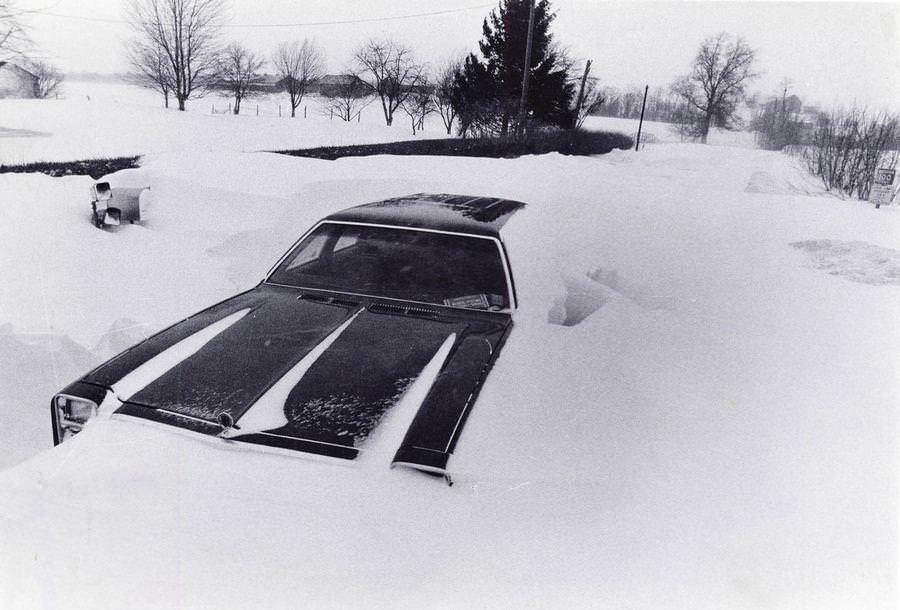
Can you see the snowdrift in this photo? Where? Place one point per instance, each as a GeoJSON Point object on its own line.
{"type": "Point", "coordinates": [701, 414]}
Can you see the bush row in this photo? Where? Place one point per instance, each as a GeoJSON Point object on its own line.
{"type": "Point", "coordinates": [95, 168]}
{"type": "Point", "coordinates": [566, 142]}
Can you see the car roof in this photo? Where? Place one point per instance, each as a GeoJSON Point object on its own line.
{"type": "Point", "coordinates": [475, 215]}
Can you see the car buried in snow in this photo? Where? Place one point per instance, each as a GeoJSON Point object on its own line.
{"type": "Point", "coordinates": [312, 359]}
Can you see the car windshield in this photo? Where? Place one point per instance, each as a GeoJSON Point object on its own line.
{"type": "Point", "coordinates": [409, 264]}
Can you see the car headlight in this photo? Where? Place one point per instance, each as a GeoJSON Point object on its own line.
{"type": "Point", "coordinates": [71, 413]}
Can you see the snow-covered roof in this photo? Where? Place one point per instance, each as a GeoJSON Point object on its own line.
{"type": "Point", "coordinates": [337, 79]}
{"type": "Point", "coordinates": [16, 68]}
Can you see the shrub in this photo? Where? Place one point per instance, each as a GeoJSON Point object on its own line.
{"type": "Point", "coordinates": [847, 146]}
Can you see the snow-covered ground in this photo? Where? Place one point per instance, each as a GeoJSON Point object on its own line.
{"type": "Point", "coordinates": [97, 119]}
{"type": "Point", "coordinates": [655, 133]}
{"type": "Point", "coordinates": [110, 120]}
{"type": "Point", "coordinates": [704, 367]}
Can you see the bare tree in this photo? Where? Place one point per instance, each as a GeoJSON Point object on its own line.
{"type": "Point", "coordinates": [185, 32]}
{"type": "Point", "coordinates": [237, 70]}
{"type": "Point", "coordinates": [442, 94]}
{"type": "Point", "coordinates": [590, 95]}
{"type": "Point", "coordinates": [592, 101]}
{"type": "Point", "coordinates": [299, 66]}
{"type": "Point", "coordinates": [346, 100]}
{"type": "Point", "coordinates": [777, 122]}
{"type": "Point", "coordinates": [48, 77]}
{"type": "Point", "coordinates": [14, 40]}
{"type": "Point", "coordinates": [391, 70]}
{"type": "Point", "coordinates": [419, 104]}
{"type": "Point", "coordinates": [715, 86]}
{"type": "Point", "coordinates": [663, 104]}
{"type": "Point", "coordinates": [150, 68]}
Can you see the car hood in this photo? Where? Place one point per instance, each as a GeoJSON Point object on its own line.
{"type": "Point", "coordinates": [133, 514]}
{"type": "Point", "coordinates": [312, 371]}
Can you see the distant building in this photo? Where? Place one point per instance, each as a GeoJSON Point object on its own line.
{"type": "Point", "coordinates": [269, 83]}
{"type": "Point", "coordinates": [344, 84]}
{"type": "Point", "coordinates": [16, 81]}
{"type": "Point", "coordinates": [264, 83]}
{"type": "Point", "coordinates": [339, 84]}
{"type": "Point", "coordinates": [789, 105]}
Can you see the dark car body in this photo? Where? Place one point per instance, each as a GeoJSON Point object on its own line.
{"type": "Point", "coordinates": [336, 360]}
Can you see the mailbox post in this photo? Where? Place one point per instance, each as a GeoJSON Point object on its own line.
{"type": "Point", "coordinates": [101, 193]}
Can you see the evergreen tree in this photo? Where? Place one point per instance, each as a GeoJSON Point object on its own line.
{"type": "Point", "coordinates": [487, 90]}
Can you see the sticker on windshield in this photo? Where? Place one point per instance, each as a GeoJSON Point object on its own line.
{"type": "Point", "coordinates": [471, 301]}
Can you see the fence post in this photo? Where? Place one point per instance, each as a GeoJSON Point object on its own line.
{"type": "Point", "coordinates": [257, 110]}
{"type": "Point", "coordinates": [331, 118]}
{"type": "Point", "coordinates": [279, 111]}
{"type": "Point", "coordinates": [304, 111]}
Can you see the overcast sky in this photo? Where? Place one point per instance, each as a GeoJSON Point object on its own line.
{"type": "Point", "coordinates": [832, 52]}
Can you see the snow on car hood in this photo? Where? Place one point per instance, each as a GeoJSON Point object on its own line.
{"type": "Point", "coordinates": [311, 371]}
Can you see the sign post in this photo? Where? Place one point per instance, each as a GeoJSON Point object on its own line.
{"type": "Point", "coordinates": [883, 187]}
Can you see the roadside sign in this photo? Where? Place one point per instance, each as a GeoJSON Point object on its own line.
{"type": "Point", "coordinates": [882, 187]}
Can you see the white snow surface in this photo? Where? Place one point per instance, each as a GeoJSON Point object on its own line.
{"type": "Point", "coordinates": [653, 132]}
{"type": "Point", "coordinates": [688, 413]}
{"type": "Point", "coordinates": [114, 120]}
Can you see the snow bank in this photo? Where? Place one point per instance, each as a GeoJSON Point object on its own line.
{"type": "Point", "coordinates": [685, 414]}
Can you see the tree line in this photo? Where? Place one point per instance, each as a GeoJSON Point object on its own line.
{"type": "Point", "coordinates": [176, 49]}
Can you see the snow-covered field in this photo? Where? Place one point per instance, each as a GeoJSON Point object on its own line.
{"type": "Point", "coordinates": [97, 119]}
{"type": "Point", "coordinates": [656, 133]}
{"type": "Point", "coordinates": [715, 427]}
{"type": "Point", "coordinates": [111, 120]}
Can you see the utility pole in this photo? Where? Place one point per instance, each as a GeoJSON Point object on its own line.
{"type": "Point", "coordinates": [587, 69]}
{"type": "Point", "coordinates": [523, 103]}
{"type": "Point", "coordinates": [637, 143]}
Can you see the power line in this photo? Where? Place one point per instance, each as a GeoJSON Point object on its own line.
{"type": "Point", "coordinates": [367, 20]}
{"type": "Point", "coordinates": [81, 18]}
{"type": "Point", "coordinates": [289, 25]}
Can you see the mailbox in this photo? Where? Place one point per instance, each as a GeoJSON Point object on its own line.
{"type": "Point", "coordinates": [115, 205]}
